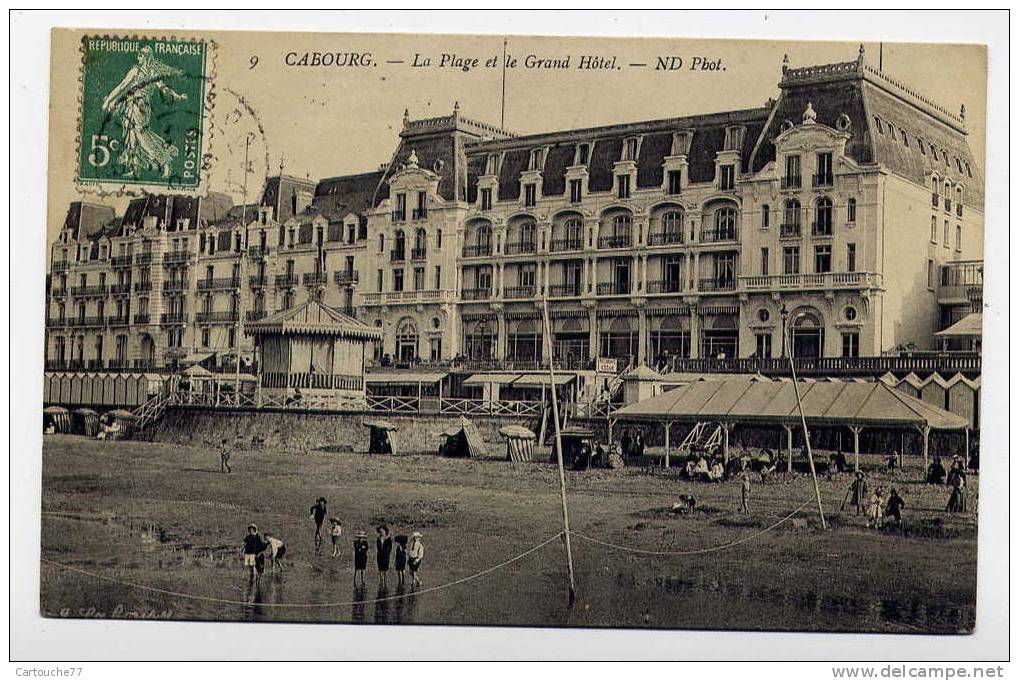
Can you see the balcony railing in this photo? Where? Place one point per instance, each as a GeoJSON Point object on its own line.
{"type": "Point", "coordinates": [120, 320]}
{"type": "Point", "coordinates": [397, 255]}
{"type": "Point", "coordinates": [564, 290]}
{"type": "Point", "coordinates": [419, 213]}
{"type": "Point", "coordinates": [258, 281]}
{"type": "Point", "coordinates": [412, 297]}
{"type": "Point", "coordinates": [309, 381]}
{"type": "Point", "coordinates": [173, 318]}
{"type": "Point", "coordinates": [665, 286]}
{"type": "Point", "coordinates": [821, 228]}
{"type": "Point", "coordinates": [715, 234]}
{"type": "Point", "coordinates": [345, 277]}
{"type": "Point", "coordinates": [98, 290]}
{"type": "Point", "coordinates": [826, 280]}
{"type": "Point", "coordinates": [477, 250]}
{"type": "Point", "coordinates": [61, 265]}
{"type": "Point", "coordinates": [792, 182]}
{"type": "Point", "coordinates": [823, 180]}
{"type": "Point", "coordinates": [120, 289]}
{"type": "Point", "coordinates": [255, 315]}
{"type": "Point", "coordinates": [121, 260]}
{"type": "Point", "coordinates": [418, 253]}
{"type": "Point", "coordinates": [722, 284]}
{"type": "Point", "coordinates": [144, 258]}
{"type": "Point", "coordinates": [58, 293]}
{"type": "Point", "coordinates": [613, 288]}
{"type": "Point", "coordinates": [946, 364]}
{"type": "Point", "coordinates": [665, 238]}
{"type": "Point", "coordinates": [518, 292]}
{"type": "Point", "coordinates": [217, 316]}
{"type": "Point", "coordinates": [175, 285]}
{"type": "Point", "coordinates": [93, 321]}
{"type": "Point", "coordinates": [142, 286]}
{"type": "Point", "coordinates": [178, 258]}
{"type": "Point", "coordinates": [615, 241]}
{"type": "Point", "coordinates": [789, 230]}
{"type": "Point", "coordinates": [57, 322]}
{"type": "Point", "coordinates": [399, 215]}
{"type": "Point", "coordinates": [218, 284]}
{"type": "Point", "coordinates": [286, 280]}
{"type": "Point", "coordinates": [516, 247]}
{"type": "Point", "coordinates": [567, 244]}
{"type": "Point", "coordinates": [142, 318]}
{"type": "Point", "coordinates": [476, 293]}
{"type": "Point", "coordinates": [315, 278]}
{"type": "Point", "coordinates": [258, 251]}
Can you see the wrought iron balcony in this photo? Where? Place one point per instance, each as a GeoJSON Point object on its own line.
{"type": "Point", "coordinates": [175, 285]}
{"type": "Point", "coordinates": [258, 251]}
{"type": "Point", "coordinates": [142, 286]}
{"type": "Point", "coordinates": [613, 288]}
{"type": "Point", "coordinates": [516, 247]}
{"type": "Point", "coordinates": [142, 318]}
{"type": "Point", "coordinates": [121, 260]}
{"type": "Point", "coordinates": [61, 265]}
{"type": "Point", "coordinates": [615, 241]}
{"type": "Point", "coordinates": [144, 258]}
{"type": "Point", "coordinates": [120, 289]}
{"type": "Point", "coordinates": [315, 278]}
{"type": "Point", "coordinates": [95, 321]}
{"type": "Point", "coordinates": [217, 316]}
{"type": "Point", "coordinates": [58, 292]}
{"type": "Point", "coordinates": [564, 290]}
{"type": "Point", "coordinates": [345, 277]}
{"type": "Point", "coordinates": [57, 322]}
{"type": "Point", "coordinates": [120, 320]}
{"type": "Point", "coordinates": [76, 363]}
{"type": "Point", "coordinates": [286, 280]}
{"type": "Point", "coordinates": [173, 318]}
{"type": "Point", "coordinates": [567, 244]}
{"type": "Point", "coordinates": [258, 281]}
{"type": "Point", "coordinates": [418, 253]}
{"type": "Point", "coordinates": [665, 286]}
{"type": "Point", "coordinates": [397, 255]}
{"type": "Point", "coordinates": [56, 364]}
{"type": "Point", "coordinates": [718, 284]}
{"type": "Point", "coordinates": [518, 291]}
{"type": "Point", "coordinates": [98, 290]}
{"type": "Point", "coordinates": [178, 258]}
{"type": "Point", "coordinates": [666, 238]}
{"type": "Point", "coordinates": [716, 234]}
{"type": "Point", "coordinates": [477, 250]}
{"type": "Point", "coordinates": [476, 293]}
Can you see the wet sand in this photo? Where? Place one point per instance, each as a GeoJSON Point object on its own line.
{"type": "Point", "coordinates": [166, 518]}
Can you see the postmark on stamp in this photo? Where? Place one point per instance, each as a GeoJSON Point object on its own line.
{"type": "Point", "coordinates": [142, 119]}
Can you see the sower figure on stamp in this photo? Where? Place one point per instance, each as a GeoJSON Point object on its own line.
{"type": "Point", "coordinates": [131, 100]}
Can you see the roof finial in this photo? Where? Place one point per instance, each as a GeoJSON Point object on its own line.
{"type": "Point", "coordinates": [785, 63]}
{"type": "Point", "coordinates": [412, 160]}
{"type": "Point", "coordinates": [809, 115]}
{"type": "Point", "coordinates": [862, 51]}
{"type": "Point", "coordinates": [406, 117]}
{"type": "Point", "coordinates": [962, 112]}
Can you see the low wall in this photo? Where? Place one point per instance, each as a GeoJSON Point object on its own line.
{"type": "Point", "coordinates": [306, 431]}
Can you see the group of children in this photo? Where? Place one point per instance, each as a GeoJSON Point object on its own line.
{"type": "Point", "coordinates": [409, 551]}
{"type": "Point", "coordinates": [879, 506]}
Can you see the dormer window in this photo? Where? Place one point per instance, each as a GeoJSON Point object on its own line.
{"type": "Point", "coordinates": [537, 161]}
{"type": "Point", "coordinates": [623, 183]}
{"type": "Point", "coordinates": [530, 194]}
{"type": "Point", "coordinates": [681, 143]}
{"type": "Point", "coordinates": [486, 198]}
{"type": "Point", "coordinates": [734, 137]}
{"type": "Point", "coordinates": [492, 164]}
{"type": "Point", "coordinates": [630, 146]}
{"type": "Point", "coordinates": [583, 154]}
{"type": "Point", "coordinates": [576, 188]}
{"type": "Point", "coordinates": [674, 182]}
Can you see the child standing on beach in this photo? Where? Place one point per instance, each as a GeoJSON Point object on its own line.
{"type": "Point", "coordinates": [400, 558]}
{"type": "Point", "coordinates": [415, 554]}
{"type": "Point", "coordinates": [335, 532]}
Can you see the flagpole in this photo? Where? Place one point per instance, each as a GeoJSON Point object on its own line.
{"type": "Point", "coordinates": [502, 123]}
{"type": "Point", "coordinates": [559, 452]}
{"type": "Point", "coordinates": [806, 434]}
{"type": "Point", "coordinates": [240, 273]}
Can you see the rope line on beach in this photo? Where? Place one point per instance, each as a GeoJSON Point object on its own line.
{"type": "Point", "coordinates": [691, 552]}
{"type": "Point", "coordinates": [230, 601]}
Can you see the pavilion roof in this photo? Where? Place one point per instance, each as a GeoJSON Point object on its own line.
{"type": "Point", "coordinates": [313, 318]}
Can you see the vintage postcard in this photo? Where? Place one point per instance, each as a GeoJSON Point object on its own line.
{"type": "Point", "coordinates": [532, 331]}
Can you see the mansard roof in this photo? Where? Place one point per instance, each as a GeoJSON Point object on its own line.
{"type": "Point", "coordinates": [335, 197]}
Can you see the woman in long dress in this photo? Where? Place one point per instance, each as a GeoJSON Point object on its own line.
{"type": "Point", "coordinates": [131, 100]}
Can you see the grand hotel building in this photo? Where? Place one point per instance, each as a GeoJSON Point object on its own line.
{"type": "Point", "coordinates": [830, 212]}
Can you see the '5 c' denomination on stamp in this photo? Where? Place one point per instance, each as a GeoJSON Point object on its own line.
{"type": "Point", "coordinates": [142, 115]}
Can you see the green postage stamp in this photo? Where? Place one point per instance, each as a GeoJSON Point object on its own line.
{"type": "Point", "coordinates": [141, 122]}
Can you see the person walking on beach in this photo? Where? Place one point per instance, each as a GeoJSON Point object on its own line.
{"type": "Point", "coordinates": [277, 550]}
{"type": "Point", "coordinates": [957, 501]}
{"type": "Point", "coordinates": [894, 507]}
{"type": "Point", "coordinates": [857, 493]}
{"type": "Point", "coordinates": [360, 556]}
{"type": "Point", "coordinates": [224, 457]}
{"type": "Point", "coordinates": [400, 559]}
{"type": "Point", "coordinates": [383, 550]}
{"type": "Point", "coordinates": [875, 505]}
{"type": "Point", "coordinates": [335, 532]}
{"type": "Point", "coordinates": [253, 547]}
{"type": "Point", "coordinates": [318, 514]}
{"type": "Point", "coordinates": [744, 480]}
{"type": "Point", "coordinates": [415, 554]}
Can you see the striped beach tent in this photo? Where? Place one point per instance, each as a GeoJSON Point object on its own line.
{"type": "Point", "coordinates": [519, 443]}
{"type": "Point", "coordinates": [59, 417]}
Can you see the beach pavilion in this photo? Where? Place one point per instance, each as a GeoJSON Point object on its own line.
{"type": "Point", "coordinates": [851, 405]}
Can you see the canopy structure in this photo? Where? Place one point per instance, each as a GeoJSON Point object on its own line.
{"type": "Point", "coordinates": [970, 326]}
{"type": "Point", "coordinates": [381, 436]}
{"type": "Point", "coordinates": [538, 380]}
{"type": "Point", "coordinates": [500, 378]}
{"type": "Point", "coordinates": [197, 371]}
{"type": "Point", "coordinates": [404, 377]}
{"type": "Point", "coordinates": [833, 404]}
{"type": "Point", "coordinates": [463, 440]}
{"type": "Point", "coordinates": [313, 319]}
{"type": "Point", "coordinates": [519, 443]}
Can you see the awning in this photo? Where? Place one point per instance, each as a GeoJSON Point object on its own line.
{"type": "Point", "coordinates": [501, 379]}
{"type": "Point", "coordinates": [198, 371]}
{"type": "Point", "coordinates": [538, 380]}
{"type": "Point", "coordinates": [970, 326]}
{"type": "Point", "coordinates": [196, 357]}
{"type": "Point", "coordinates": [827, 404]}
{"type": "Point", "coordinates": [404, 377]}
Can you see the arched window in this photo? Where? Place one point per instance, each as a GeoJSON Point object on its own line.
{"type": "Point", "coordinates": [527, 232]}
{"type": "Point", "coordinates": [725, 223]}
{"type": "Point", "coordinates": [851, 210]}
{"type": "Point", "coordinates": [621, 225]}
{"type": "Point", "coordinates": [485, 236]}
{"type": "Point", "coordinates": [823, 223]}
{"type": "Point", "coordinates": [672, 223]}
{"type": "Point", "coordinates": [399, 244]}
{"type": "Point", "coordinates": [420, 241]}
{"type": "Point", "coordinates": [574, 229]}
